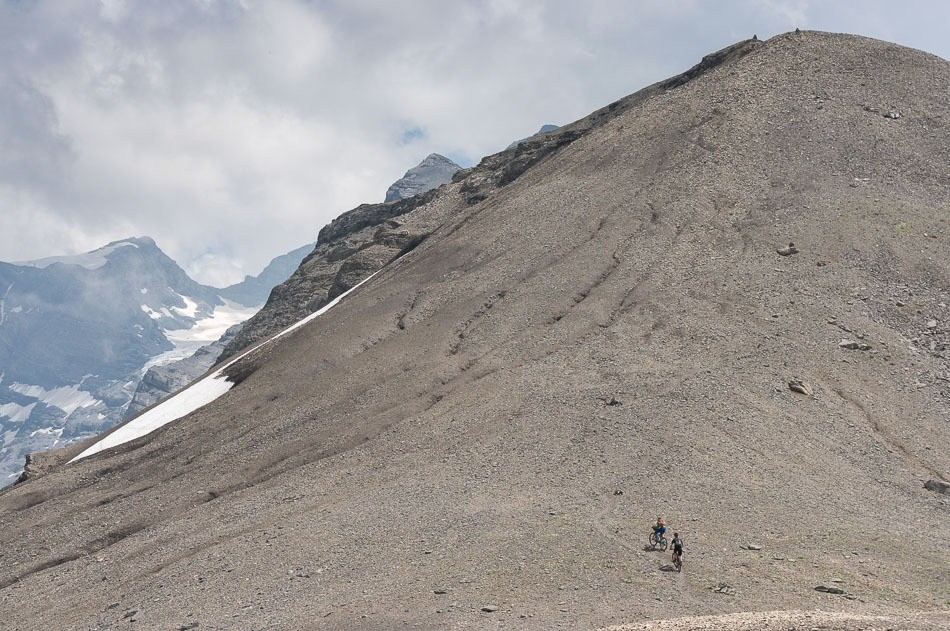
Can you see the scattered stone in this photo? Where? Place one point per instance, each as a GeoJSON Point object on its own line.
{"type": "Point", "coordinates": [752, 546]}
{"type": "Point", "coordinates": [829, 590]}
{"type": "Point", "coordinates": [187, 626]}
{"type": "Point", "coordinates": [937, 486]}
{"type": "Point", "coordinates": [612, 402]}
{"type": "Point", "coordinates": [854, 345]}
{"type": "Point", "coordinates": [618, 492]}
{"type": "Point", "coordinates": [788, 251]}
{"type": "Point", "coordinates": [801, 387]}
{"type": "Point", "coordinates": [837, 580]}
{"type": "Point", "coordinates": [130, 613]}
{"type": "Point", "coordinates": [440, 591]}
{"type": "Point", "coordinates": [892, 114]}
{"type": "Point", "coordinates": [489, 608]}
{"type": "Point", "coordinates": [931, 324]}
{"type": "Point", "coordinates": [723, 588]}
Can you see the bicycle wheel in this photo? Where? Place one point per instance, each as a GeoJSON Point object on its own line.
{"type": "Point", "coordinates": [664, 543]}
{"type": "Point", "coordinates": [653, 539]}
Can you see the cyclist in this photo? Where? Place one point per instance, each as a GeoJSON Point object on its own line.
{"type": "Point", "coordinates": [659, 527]}
{"type": "Point", "coordinates": [677, 548]}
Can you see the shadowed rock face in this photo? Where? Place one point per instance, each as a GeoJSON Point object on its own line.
{"type": "Point", "coordinates": [602, 310]}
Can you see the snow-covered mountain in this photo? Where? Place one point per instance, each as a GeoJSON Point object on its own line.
{"type": "Point", "coordinates": [78, 332]}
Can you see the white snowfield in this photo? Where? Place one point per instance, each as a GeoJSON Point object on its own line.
{"type": "Point", "coordinates": [197, 395]}
{"type": "Point", "coordinates": [89, 260]}
{"type": "Point", "coordinates": [205, 331]}
{"type": "Point", "coordinates": [66, 398]}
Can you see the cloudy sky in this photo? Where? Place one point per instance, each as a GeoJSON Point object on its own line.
{"type": "Point", "coordinates": [232, 130]}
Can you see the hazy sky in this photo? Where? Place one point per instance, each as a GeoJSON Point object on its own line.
{"type": "Point", "coordinates": [231, 131]}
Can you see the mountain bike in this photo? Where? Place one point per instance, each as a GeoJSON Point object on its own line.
{"type": "Point", "coordinates": [678, 561]}
{"type": "Point", "coordinates": [658, 540]}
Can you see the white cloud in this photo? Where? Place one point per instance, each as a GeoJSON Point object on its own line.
{"type": "Point", "coordinates": [232, 131]}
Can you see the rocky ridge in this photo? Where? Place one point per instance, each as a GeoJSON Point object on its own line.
{"type": "Point", "coordinates": [363, 240]}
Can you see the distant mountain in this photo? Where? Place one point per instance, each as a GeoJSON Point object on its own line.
{"type": "Point", "coordinates": [78, 332]}
{"type": "Point", "coordinates": [163, 379]}
{"type": "Point", "coordinates": [254, 290]}
{"type": "Point", "coordinates": [431, 173]}
{"type": "Point", "coordinates": [544, 129]}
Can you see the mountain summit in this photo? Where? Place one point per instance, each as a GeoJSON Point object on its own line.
{"type": "Point", "coordinates": [598, 326]}
{"type": "Point", "coordinates": [432, 172]}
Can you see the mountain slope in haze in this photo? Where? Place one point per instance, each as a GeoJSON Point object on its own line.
{"type": "Point", "coordinates": [75, 332]}
{"type": "Point", "coordinates": [599, 328]}
{"type": "Point", "coordinates": [254, 290]}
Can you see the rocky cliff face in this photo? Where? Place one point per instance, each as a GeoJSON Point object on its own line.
{"type": "Point", "coordinates": [601, 326]}
{"type": "Point", "coordinates": [431, 173]}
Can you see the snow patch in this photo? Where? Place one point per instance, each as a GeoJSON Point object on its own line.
{"type": "Point", "coordinates": [16, 412]}
{"type": "Point", "coordinates": [189, 310]}
{"type": "Point", "coordinates": [3, 302]}
{"type": "Point", "coordinates": [195, 396]}
{"type": "Point", "coordinates": [144, 290]}
{"type": "Point", "coordinates": [49, 431]}
{"type": "Point", "coordinates": [150, 313]}
{"type": "Point", "coordinates": [89, 260]}
{"type": "Point", "coordinates": [66, 398]}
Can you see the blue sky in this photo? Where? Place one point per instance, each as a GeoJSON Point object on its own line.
{"type": "Point", "coordinates": [231, 131]}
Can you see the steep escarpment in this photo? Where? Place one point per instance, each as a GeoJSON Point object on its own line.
{"type": "Point", "coordinates": [480, 435]}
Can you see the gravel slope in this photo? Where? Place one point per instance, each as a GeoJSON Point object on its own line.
{"type": "Point", "coordinates": [495, 418]}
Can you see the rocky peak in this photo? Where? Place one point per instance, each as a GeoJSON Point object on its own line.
{"type": "Point", "coordinates": [431, 173]}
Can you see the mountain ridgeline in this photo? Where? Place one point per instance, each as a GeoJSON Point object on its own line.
{"type": "Point", "coordinates": [599, 325]}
